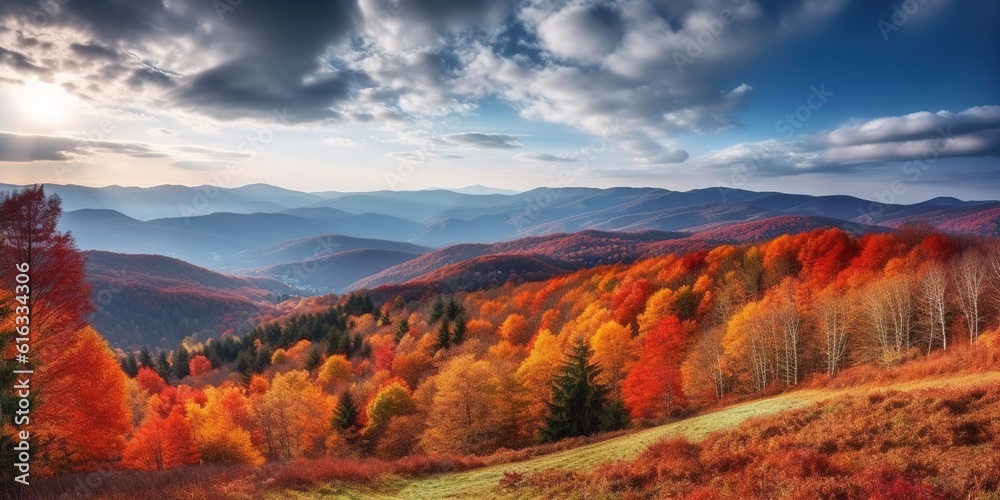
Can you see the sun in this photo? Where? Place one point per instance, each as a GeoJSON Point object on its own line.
{"type": "Point", "coordinates": [44, 102]}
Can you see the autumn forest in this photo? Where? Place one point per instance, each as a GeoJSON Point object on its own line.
{"type": "Point", "coordinates": [447, 381]}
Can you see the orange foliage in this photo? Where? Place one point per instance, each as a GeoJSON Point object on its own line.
{"type": "Point", "coordinates": [82, 390]}
{"type": "Point", "coordinates": [162, 443]}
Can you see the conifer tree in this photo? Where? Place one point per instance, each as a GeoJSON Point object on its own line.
{"type": "Point", "coordinates": [578, 399]}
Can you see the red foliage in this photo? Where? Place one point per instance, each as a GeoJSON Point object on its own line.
{"type": "Point", "coordinates": [199, 365]}
{"type": "Point", "coordinates": [629, 300]}
{"type": "Point", "coordinates": [150, 381]}
{"type": "Point", "coordinates": [652, 387]}
{"type": "Point", "coordinates": [162, 443]}
{"type": "Point", "coordinates": [384, 356]}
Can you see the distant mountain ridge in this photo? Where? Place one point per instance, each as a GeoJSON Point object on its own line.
{"type": "Point", "coordinates": [350, 240]}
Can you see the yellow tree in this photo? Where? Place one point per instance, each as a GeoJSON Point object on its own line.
{"type": "Point", "coordinates": [217, 427]}
{"type": "Point", "coordinates": [294, 415]}
{"type": "Point", "coordinates": [393, 399]}
{"type": "Point", "coordinates": [476, 409]}
{"type": "Point", "coordinates": [536, 372]}
{"type": "Point", "coordinates": [614, 350]}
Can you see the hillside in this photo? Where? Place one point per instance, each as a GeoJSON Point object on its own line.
{"type": "Point", "coordinates": [334, 272]}
{"type": "Point", "coordinates": [570, 468]}
{"type": "Point", "coordinates": [155, 301]}
{"type": "Point", "coordinates": [217, 236]}
{"type": "Point", "coordinates": [314, 247]}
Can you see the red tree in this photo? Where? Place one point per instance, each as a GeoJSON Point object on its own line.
{"type": "Point", "coordinates": [199, 365]}
{"type": "Point", "coordinates": [59, 297]}
{"type": "Point", "coordinates": [150, 381]}
{"type": "Point", "coordinates": [629, 300]}
{"type": "Point", "coordinates": [652, 387]}
{"type": "Point", "coordinates": [162, 443]}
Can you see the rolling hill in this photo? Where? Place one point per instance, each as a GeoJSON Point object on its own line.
{"type": "Point", "coordinates": [334, 273]}
{"type": "Point", "coordinates": [155, 301]}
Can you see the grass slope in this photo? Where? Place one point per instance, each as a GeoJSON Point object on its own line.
{"type": "Point", "coordinates": [482, 482]}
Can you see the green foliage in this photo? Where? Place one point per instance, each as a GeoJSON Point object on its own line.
{"type": "Point", "coordinates": [358, 305]}
{"type": "Point", "coordinates": [145, 358]}
{"type": "Point", "coordinates": [163, 365]}
{"type": "Point", "coordinates": [130, 365]}
{"type": "Point", "coordinates": [402, 329]}
{"type": "Point", "coordinates": [313, 360]}
{"type": "Point", "coordinates": [578, 400]}
{"type": "Point", "coordinates": [8, 405]}
{"type": "Point", "coordinates": [452, 318]}
{"type": "Point", "coordinates": [346, 415]}
{"type": "Point", "coordinates": [181, 366]}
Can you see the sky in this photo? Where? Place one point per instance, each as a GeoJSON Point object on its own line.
{"type": "Point", "coordinates": [891, 100]}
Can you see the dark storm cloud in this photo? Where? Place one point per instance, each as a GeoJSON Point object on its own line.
{"type": "Point", "coordinates": [95, 51]}
{"type": "Point", "coordinates": [279, 66]}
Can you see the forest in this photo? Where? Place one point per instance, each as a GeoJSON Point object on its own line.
{"type": "Point", "coordinates": [604, 349]}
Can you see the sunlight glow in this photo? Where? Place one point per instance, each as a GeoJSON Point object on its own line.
{"type": "Point", "coordinates": [44, 102]}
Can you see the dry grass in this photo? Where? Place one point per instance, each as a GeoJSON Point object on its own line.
{"type": "Point", "coordinates": [930, 443]}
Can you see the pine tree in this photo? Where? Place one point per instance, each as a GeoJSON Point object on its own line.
{"type": "Point", "coordinates": [458, 335]}
{"type": "Point", "coordinates": [402, 329]}
{"type": "Point", "coordinates": [8, 405]}
{"type": "Point", "coordinates": [437, 310]}
{"type": "Point", "coordinates": [444, 336]}
{"type": "Point", "coordinates": [578, 400]}
{"type": "Point", "coordinates": [313, 361]}
{"type": "Point", "coordinates": [130, 365]}
{"type": "Point", "coordinates": [163, 365]}
{"type": "Point", "coordinates": [181, 367]}
{"type": "Point", "coordinates": [346, 416]}
{"type": "Point", "coordinates": [145, 358]}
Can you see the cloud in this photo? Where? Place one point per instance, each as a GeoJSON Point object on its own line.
{"type": "Point", "coordinates": [212, 153]}
{"type": "Point", "coordinates": [483, 140]}
{"type": "Point", "coordinates": [341, 142]}
{"type": "Point", "coordinates": [917, 137]}
{"type": "Point", "coordinates": [200, 165]}
{"type": "Point", "coordinates": [124, 114]}
{"type": "Point", "coordinates": [586, 64]}
{"type": "Point", "coordinates": [914, 126]}
{"type": "Point", "coordinates": [32, 148]}
{"type": "Point", "coordinates": [95, 51]}
{"type": "Point", "coordinates": [420, 156]}
{"type": "Point", "coordinates": [544, 157]}
{"type": "Point", "coordinates": [167, 132]}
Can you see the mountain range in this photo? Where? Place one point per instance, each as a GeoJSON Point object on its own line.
{"type": "Point", "coordinates": [273, 241]}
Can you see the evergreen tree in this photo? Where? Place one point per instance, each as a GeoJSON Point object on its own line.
{"type": "Point", "coordinates": [346, 415]}
{"type": "Point", "coordinates": [145, 358]}
{"type": "Point", "coordinates": [8, 405]}
{"type": "Point", "coordinates": [181, 367]}
{"type": "Point", "coordinates": [130, 365]}
{"type": "Point", "coordinates": [163, 365]}
{"type": "Point", "coordinates": [437, 310]}
{"type": "Point", "coordinates": [444, 336]}
{"type": "Point", "coordinates": [579, 401]}
{"type": "Point", "coordinates": [458, 335]}
{"type": "Point", "coordinates": [615, 416]}
{"type": "Point", "coordinates": [452, 310]}
{"type": "Point", "coordinates": [402, 329]}
{"type": "Point", "coordinates": [314, 360]}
